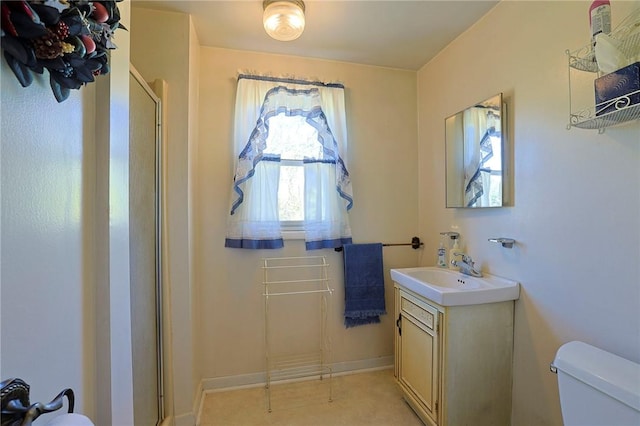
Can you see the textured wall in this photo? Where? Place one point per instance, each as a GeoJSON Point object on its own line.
{"type": "Point", "coordinates": [577, 196]}
{"type": "Point", "coordinates": [64, 295]}
{"type": "Point", "coordinates": [44, 200]}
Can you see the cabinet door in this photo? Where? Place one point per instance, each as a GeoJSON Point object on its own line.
{"type": "Point", "coordinates": [396, 340]}
{"type": "Point", "coordinates": [418, 352]}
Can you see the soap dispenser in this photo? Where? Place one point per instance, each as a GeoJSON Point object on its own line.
{"type": "Point", "coordinates": [442, 255]}
{"type": "Point", "coordinates": [455, 252]}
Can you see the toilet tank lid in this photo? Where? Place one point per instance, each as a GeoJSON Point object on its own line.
{"type": "Point", "coordinates": [613, 375]}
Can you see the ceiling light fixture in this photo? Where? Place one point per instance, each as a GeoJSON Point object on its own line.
{"type": "Point", "coordinates": [283, 19]}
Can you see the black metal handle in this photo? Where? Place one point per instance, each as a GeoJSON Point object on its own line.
{"type": "Point", "coordinates": [415, 243]}
{"type": "Point", "coordinates": [399, 324]}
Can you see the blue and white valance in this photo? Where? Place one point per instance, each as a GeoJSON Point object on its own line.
{"type": "Point", "coordinates": [254, 221]}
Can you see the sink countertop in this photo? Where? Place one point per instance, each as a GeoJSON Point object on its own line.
{"type": "Point", "coordinates": [449, 287]}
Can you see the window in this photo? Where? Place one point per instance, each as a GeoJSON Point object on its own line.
{"type": "Point", "coordinates": [289, 170]}
{"type": "Point", "coordinates": [293, 139]}
{"type": "Point", "coordinates": [493, 166]}
{"type": "Point", "coordinates": [482, 157]}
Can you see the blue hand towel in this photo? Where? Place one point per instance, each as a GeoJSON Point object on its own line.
{"type": "Point", "coordinates": [363, 284]}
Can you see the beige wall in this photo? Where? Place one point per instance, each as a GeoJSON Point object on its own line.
{"type": "Point", "coordinates": [161, 48]}
{"type": "Point", "coordinates": [194, 88]}
{"type": "Point", "coordinates": [381, 114]}
{"type": "Point", "coordinates": [65, 262]}
{"type": "Point", "coordinates": [577, 197]}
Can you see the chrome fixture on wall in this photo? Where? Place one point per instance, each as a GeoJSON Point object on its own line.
{"type": "Point", "coordinates": [283, 20]}
{"type": "Point", "coordinates": [505, 242]}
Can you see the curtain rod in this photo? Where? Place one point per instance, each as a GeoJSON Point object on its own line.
{"type": "Point", "coordinates": [289, 80]}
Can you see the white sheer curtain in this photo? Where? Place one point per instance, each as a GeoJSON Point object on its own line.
{"type": "Point", "coordinates": [253, 220]}
{"type": "Point", "coordinates": [474, 127]}
{"type": "Point", "coordinates": [479, 125]}
{"type": "Point", "coordinates": [325, 224]}
{"type": "Point", "coordinates": [257, 227]}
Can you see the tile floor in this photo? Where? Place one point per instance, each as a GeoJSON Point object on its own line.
{"type": "Point", "coordinates": [370, 398]}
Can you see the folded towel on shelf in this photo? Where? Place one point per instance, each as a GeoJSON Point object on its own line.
{"type": "Point", "coordinates": [363, 284]}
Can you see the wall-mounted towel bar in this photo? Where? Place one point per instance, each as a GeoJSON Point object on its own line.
{"type": "Point", "coordinates": [415, 244]}
{"type": "Point", "coordinates": [505, 242]}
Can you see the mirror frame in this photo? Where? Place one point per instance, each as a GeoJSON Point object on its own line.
{"type": "Point", "coordinates": [455, 149]}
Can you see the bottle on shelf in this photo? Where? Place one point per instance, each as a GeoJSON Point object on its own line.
{"type": "Point", "coordinates": [599, 18]}
{"type": "Point", "coordinates": [455, 252]}
{"type": "Point", "coordinates": [442, 255]}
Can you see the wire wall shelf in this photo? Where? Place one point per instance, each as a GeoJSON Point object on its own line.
{"type": "Point", "coordinates": [615, 111]}
{"type": "Point", "coordinates": [621, 110]}
{"type": "Point", "coordinates": [584, 59]}
{"type": "Point", "coordinates": [302, 284]}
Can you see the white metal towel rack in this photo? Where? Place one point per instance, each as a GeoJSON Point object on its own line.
{"type": "Point", "coordinates": [295, 277]}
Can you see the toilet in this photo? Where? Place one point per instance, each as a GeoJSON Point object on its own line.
{"type": "Point", "coordinates": [597, 388]}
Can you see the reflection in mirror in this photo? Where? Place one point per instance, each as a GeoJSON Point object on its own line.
{"type": "Point", "coordinates": [474, 155]}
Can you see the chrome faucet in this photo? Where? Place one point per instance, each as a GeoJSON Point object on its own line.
{"type": "Point", "coordinates": [466, 265]}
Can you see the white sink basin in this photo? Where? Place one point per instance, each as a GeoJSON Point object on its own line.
{"type": "Point", "coordinates": [451, 288]}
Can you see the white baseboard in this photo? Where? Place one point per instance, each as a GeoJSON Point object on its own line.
{"type": "Point", "coordinates": [259, 379]}
{"type": "Point", "coordinates": [168, 421]}
{"type": "Point", "coordinates": [187, 419]}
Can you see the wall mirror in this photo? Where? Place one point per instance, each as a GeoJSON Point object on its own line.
{"type": "Point", "coordinates": [475, 149]}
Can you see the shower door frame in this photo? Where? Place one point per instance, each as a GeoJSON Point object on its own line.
{"type": "Point", "coordinates": [159, 200]}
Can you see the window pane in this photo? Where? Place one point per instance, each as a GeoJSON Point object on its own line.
{"type": "Point", "coordinates": [495, 162]}
{"type": "Point", "coordinates": [293, 138]}
{"type": "Point", "coordinates": [291, 193]}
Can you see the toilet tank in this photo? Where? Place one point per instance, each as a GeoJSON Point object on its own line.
{"type": "Point", "coordinates": [597, 387]}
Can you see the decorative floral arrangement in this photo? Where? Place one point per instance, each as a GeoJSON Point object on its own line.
{"type": "Point", "coordinates": [69, 38]}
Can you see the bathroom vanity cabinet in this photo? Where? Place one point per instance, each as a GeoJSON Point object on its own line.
{"type": "Point", "coordinates": [454, 363]}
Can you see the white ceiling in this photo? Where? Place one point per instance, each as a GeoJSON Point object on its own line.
{"type": "Point", "coordinates": [396, 34]}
